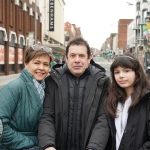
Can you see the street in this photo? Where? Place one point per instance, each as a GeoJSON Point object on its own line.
{"type": "Point", "coordinates": [104, 63]}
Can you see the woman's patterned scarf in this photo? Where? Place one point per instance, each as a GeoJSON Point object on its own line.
{"type": "Point", "coordinates": [40, 86]}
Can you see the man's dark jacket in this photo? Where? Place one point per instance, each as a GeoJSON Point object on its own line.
{"type": "Point", "coordinates": [54, 121]}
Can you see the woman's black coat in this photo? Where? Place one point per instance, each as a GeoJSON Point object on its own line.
{"type": "Point", "coordinates": [135, 136]}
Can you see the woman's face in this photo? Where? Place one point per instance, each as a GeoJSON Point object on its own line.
{"type": "Point", "coordinates": [39, 67]}
{"type": "Point", "coordinates": [125, 77]}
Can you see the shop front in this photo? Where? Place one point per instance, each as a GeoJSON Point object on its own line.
{"type": "Point", "coordinates": [2, 52]}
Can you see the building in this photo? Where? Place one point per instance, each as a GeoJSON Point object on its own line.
{"type": "Point", "coordinates": [116, 43]}
{"type": "Point", "coordinates": [131, 40]}
{"type": "Point", "coordinates": [17, 27]}
{"type": "Point", "coordinates": [53, 25]}
{"type": "Point", "coordinates": [71, 31]}
{"type": "Point", "coordinates": [95, 52]}
{"type": "Point", "coordinates": [112, 35]}
{"type": "Point", "coordinates": [141, 28]}
{"type": "Point", "coordinates": [122, 33]}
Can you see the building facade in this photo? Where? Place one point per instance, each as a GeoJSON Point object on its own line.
{"type": "Point", "coordinates": [115, 43]}
{"type": "Point", "coordinates": [142, 34]}
{"type": "Point", "coordinates": [53, 25]}
{"type": "Point", "coordinates": [122, 33]}
{"type": "Point", "coordinates": [131, 42]}
{"type": "Point", "coordinates": [71, 31]}
{"type": "Point", "coordinates": [17, 24]}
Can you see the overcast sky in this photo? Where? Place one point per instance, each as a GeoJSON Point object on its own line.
{"type": "Point", "coordinates": [97, 18]}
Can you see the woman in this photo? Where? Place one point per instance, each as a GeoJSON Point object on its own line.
{"type": "Point", "coordinates": [128, 105]}
{"type": "Point", "coordinates": [21, 102]}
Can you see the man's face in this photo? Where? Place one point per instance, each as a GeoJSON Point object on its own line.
{"type": "Point", "coordinates": [77, 59]}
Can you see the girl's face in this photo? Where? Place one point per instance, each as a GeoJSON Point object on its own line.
{"type": "Point", "coordinates": [125, 77]}
{"type": "Point", "coordinates": [39, 67]}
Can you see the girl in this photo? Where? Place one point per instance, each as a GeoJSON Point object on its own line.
{"type": "Point", "coordinates": [128, 104]}
{"type": "Point", "coordinates": [21, 102]}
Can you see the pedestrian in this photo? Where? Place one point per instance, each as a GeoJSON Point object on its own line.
{"type": "Point", "coordinates": [73, 117]}
{"type": "Point", "coordinates": [21, 102]}
{"type": "Point", "coordinates": [128, 104]}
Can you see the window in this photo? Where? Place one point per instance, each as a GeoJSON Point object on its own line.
{"type": "Point", "coordinates": [144, 14]}
{"type": "Point", "coordinates": [138, 6]}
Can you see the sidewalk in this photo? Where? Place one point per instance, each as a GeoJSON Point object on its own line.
{"type": "Point", "coordinates": [6, 79]}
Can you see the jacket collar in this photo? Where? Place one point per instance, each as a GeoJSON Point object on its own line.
{"type": "Point", "coordinates": [26, 76]}
{"type": "Point", "coordinates": [93, 69]}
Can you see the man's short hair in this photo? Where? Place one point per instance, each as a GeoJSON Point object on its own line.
{"type": "Point", "coordinates": [78, 41]}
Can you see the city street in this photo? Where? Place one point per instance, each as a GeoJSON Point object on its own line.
{"type": "Point", "coordinates": [104, 63]}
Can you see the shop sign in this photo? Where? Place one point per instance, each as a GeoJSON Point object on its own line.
{"type": "Point", "coordinates": [51, 15]}
{"type": "Point", "coordinates": [1, 54]}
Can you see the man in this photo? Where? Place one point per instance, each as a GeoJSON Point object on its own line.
{"type": "Point", "coordinates": [73, 116]}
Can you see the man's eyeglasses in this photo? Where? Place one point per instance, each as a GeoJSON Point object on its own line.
{"type": "Point", "coordinates": [37, 47]}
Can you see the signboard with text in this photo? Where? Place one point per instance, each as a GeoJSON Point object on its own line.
{"type": "Point", "coordinates": [1, 54]}
{"type": "Point", "coordinates": [51, 15]}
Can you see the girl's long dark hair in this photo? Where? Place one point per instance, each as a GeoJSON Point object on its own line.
{"type": "Point", "coordinates": [116, 93]}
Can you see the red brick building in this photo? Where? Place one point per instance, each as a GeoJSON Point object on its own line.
{"type": "Point", "coordinates": [17, 21]}
{"type": "Point", "coordinates": [122, 33]}
{"type": "Point", "coordinates": [71, 31]}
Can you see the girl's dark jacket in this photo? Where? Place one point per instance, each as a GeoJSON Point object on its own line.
{"type": "Point", "coordinates": [53, 123]}
{"type": "Point", "coordinates": [135, 136]}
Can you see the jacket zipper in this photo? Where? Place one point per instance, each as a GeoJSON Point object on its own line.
{"type": "Point", "coordinates": [74, 114]}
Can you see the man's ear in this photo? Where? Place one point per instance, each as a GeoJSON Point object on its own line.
{"type": "Point", "coordinates": [91, 56]}
{"type": "Point", "coordinates": [66, 58]}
